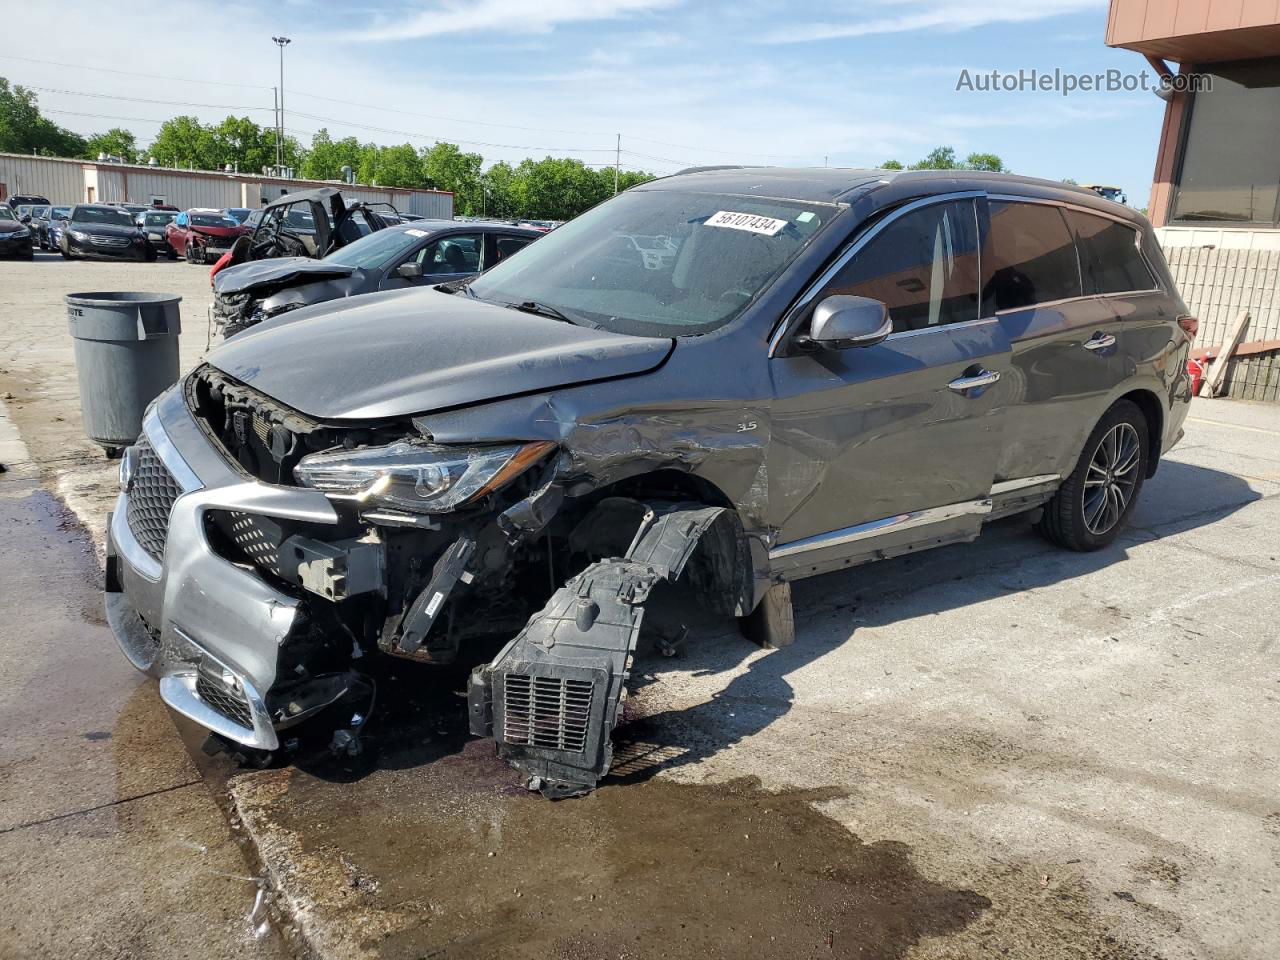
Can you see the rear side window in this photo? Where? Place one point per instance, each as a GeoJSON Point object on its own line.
{"type": "Point", "coordinates": [923, 266]}
{"type": "Point", "coordinates": [1109, 256]}
{"type": "Point", "coordinates": [1032, 258]}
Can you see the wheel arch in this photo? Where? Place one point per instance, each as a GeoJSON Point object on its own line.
{"type": "Point", "coordinates": [1153, 413]}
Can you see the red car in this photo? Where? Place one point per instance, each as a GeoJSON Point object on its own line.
{"type": "Point", "coordinates": [202, 235]}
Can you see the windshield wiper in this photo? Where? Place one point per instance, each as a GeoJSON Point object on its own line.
{"type": "Point", "coordinates": [546, 310]}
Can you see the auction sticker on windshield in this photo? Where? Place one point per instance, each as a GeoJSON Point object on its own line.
{"type": "Point", "coordinates": [746, 221]}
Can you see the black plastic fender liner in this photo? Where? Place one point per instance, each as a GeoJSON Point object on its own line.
{"type": "Point", "coordinates": [551, 697]}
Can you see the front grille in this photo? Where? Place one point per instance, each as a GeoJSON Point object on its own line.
{"type": "Point", "coordinates": [221, 698]}
{"type": "Point", "coordinates": [152, 491]}
{"type": "Point", "coordinates": [110, 241]}
{"type": "Point", "coordinates": [552, 713]}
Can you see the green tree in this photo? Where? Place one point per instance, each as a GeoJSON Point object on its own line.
{"type": "Point", "coordinates": [558, 188]}
{"type": "Point", "coordinates": [185, 142]}
{"type": "Point", "coordinates": [984, 161]}
{"type": "Point", "coordinates": [891, 165]}
{"type": "Point", "coordinates": [24, 129]}
{"type": "Point", "coordinates": [116, 142]}
{"type": "Point", "coordinates": [939, 158]}
{"type": "Point", "coordinates": [327, 157]}
{"type": "Point", "coordinates": [498, 186]}
{"type": "Point", "coordinates": [447, 168]}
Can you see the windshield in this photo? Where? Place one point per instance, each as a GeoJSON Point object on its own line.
{"type": "Point", "coordinates": [39, 212]}
{"type": "Point", "coordinates": [103, 215]}
{"type": "Point", "coordinates": [158, 219]}
{"type": "Point", "coordinates": [59, 212]}
{"type": "Point", "coordinates": [6, 214]}
{"type": "Point", "coordinates": [212, 220]}
{"type": "Point", "coordinates": [711, 255]}
{"type": "Point", "coordinates": [375, 249]}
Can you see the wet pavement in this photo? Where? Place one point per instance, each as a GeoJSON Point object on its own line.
{"type": "Point", "coordinates": [110, 843]}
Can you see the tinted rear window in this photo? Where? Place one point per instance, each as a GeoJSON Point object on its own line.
{"type": "Point", "coordinates": [1032, 257]}
{"type": "Point", "coordinates": [1109, 256]}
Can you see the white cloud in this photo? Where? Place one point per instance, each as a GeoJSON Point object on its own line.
{"type": "Point", "coordinates": [504, 16]}
{"type": "Point", "coordinates": [916, 15]}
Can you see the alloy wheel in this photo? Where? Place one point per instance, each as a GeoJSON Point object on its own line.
{"type": "Point", "coordinates": [1111, 478]}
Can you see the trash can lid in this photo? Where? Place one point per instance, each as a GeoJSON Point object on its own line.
{"type": "Point", "coordinates": [117, 315]}
{"type": "Point", "coordinates": [116, 298]}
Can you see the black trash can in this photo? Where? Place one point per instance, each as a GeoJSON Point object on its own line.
{"type": "Point", "coordinates": [126, 355]}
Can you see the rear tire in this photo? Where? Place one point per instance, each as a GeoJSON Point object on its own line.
{"type": "Point", "coordinates": [1094, 502]}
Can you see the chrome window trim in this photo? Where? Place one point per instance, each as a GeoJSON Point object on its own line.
{"type": "Point", "coordinates": [855, 245]}
{"type": "Point", "coordinates": [873, 528]}
{"type": "Point", "coordinates": [962, 325]}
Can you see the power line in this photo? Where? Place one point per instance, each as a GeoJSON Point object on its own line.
{"type": "Point", "coordinates": [170, 103]}
{"type": "Point", "coordinates": [131, 73]}
{"type": "Point", "coordinates": [370, 106]}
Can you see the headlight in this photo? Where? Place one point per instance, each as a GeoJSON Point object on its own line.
{"type": "Point", "coordinates": [76, 235]}
{"type": "Point", "coordinates": [418, 477]}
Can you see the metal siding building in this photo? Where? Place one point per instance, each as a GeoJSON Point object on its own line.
{"type": "Point", "coordinates": [67, 181]}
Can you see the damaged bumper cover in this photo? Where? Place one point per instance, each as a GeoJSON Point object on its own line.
{"type": "Point", "coordinates": [208, 628]}
{"type": "Point", "coordinates": [551, 698]}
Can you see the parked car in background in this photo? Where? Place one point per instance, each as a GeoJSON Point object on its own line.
{"type": "Point", "coordinates": [837, 366]}
{"type": "Point", "coordinates": [43, 227]}
{"type": "Point", "coordinates": [97, 231]}
{"type": "Point", "coordinates": [21, 199]}
{"type": "Point", "coordinates": [23, 212]}
{"type": "Point", "coordinates": [238, 214]}
{"type": "Point", "coordinates": [201, 235]}
{"type": "Point", "coordinates": [133, 209]}
{"type": "Point", "coordinates": [153, 223]}
{"type": "Point", "coordinates": [15, 236]}
{"type": "Point", "coordinates": [37, 211]}
{"type": "Point", "coordinates": [420, 253]}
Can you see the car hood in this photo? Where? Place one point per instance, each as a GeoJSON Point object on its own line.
{"type": "Point", "coordinates": [406, 352]}
{"type": "Point", "coordinates": [273, 273]}
{"type": "Point", "coordinates": [105, 229]}
{"type": "Point", "coordinates": [11, 226]}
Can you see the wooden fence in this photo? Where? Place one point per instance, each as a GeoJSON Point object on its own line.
{"type": "Point", "coordinates": [1217, 285]}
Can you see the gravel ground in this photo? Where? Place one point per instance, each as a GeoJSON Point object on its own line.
{"type": "Point", "coordinates": [997, 749]}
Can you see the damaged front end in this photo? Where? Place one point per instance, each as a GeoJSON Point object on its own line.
{"type": "Point", "coordinates": [298, 550]}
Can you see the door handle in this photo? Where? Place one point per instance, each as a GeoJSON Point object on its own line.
{"type": "Point", "coordinates": [1100, 341]}
{"type": "Point", "coordinates": [983, 379]}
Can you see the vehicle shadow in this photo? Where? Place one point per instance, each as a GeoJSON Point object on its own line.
{"type": "Point", "coordinates": [421, 712]}
{"type": "Point", "coordinates": [830, 609]}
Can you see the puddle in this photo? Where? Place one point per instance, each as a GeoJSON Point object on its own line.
{"type": "Point", "coordinates": [649, 869]}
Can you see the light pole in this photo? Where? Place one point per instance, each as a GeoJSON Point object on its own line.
{"type": "Point", "coordinates": [281, 42]}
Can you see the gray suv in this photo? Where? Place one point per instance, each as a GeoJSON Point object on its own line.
{"type": "Point", "coordinates": [821, 369]}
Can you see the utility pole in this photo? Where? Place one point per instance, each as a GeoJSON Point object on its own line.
{"type": "Point", "coordinates": [617, 164]}
{"type": "Point", "coordinates": [275, 113]}
{"type": "Point", "coordinates": [281, 42]}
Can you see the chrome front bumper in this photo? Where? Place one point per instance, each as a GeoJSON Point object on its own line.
{"type": "Point", "coordinates": [217, 623]}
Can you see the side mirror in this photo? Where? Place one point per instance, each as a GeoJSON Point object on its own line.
{"type": "Point", "coordinates": [409, 271]}
{"type": "Point", "coordinates": [842, 321]}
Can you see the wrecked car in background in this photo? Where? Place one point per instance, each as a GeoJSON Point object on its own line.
{"type": "Point", "coordinates": [833, 367]}
{"type": "Point", "coordinates": [198, 235]}
{"type": "Point", "coordinates": [418, 253]}
{"type": "Point", "coordinates": [309, 223]}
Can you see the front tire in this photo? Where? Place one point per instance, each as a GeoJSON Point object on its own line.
{"type": "Point", "coordinates": [1094, 502]}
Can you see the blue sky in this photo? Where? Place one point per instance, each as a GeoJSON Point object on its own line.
{"type": "Point", "coordinates": [684, 82]}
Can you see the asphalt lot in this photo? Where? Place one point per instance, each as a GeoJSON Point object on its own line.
{"type": "Point", "coordinates": [996, 749]}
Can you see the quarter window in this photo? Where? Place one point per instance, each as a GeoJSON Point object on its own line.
{"type": "Point", "coordinates": [1032, 258]}
{"type": "Point", "coordinates": [1109, 257]}
{"type": "Point", "coordinates": [923, 266]}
